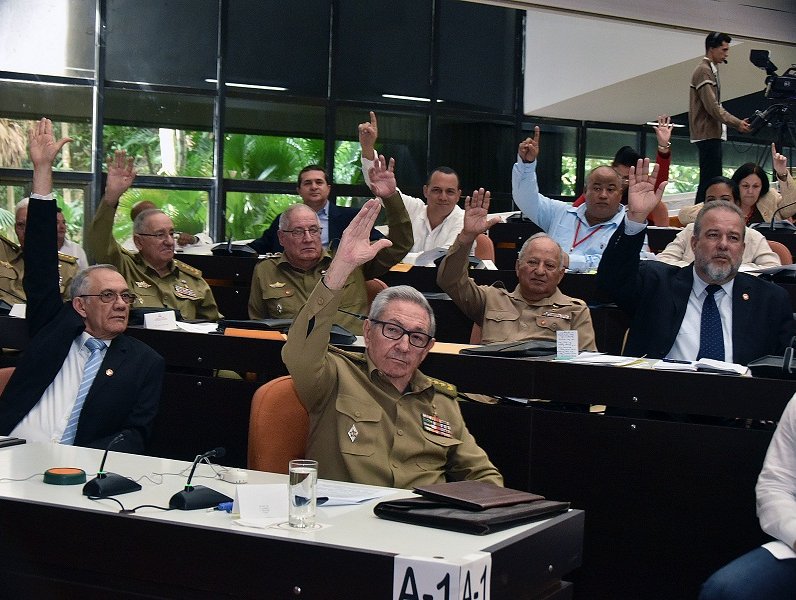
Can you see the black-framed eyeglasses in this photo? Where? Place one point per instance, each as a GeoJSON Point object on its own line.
{"type": "Point", "coordinates": [161, 235]}
{"type": "Point", "coordinates": [298, 232]}
{"type": "Point", "coordinates": [393, 331]}
{"type": "Point", "coordinates": [108, 296]}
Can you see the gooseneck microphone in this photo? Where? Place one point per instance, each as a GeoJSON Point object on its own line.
{"type": "Point", "coordinates": [199, 496]}
{"type": "Point", "coordinates": [772, 224]}
{"type": "Point", "coordinates": [109, 484]}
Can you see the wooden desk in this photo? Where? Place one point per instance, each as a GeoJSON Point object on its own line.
{"type": "Point", "coordinates": [57, 543]}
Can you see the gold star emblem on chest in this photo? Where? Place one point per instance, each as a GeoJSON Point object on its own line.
{"type": "Point", "coordinates": [277, 284]}
{"type": "Point", "coordinates": [143, 284]}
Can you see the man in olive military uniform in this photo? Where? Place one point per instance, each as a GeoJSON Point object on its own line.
{"type": "Point", "coordinates": [12, 263]}
{"type": "Point", "coordinates": [281, 285]}
{"type": "Point", "coordinates": [536, 309]}
{"type": "Point", "coordinates": [375, 418]}
{"type": "Point", "coordinates": [153, 274]}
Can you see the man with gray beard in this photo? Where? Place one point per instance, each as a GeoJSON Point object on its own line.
{"type": "Point", "coordinates": [704, 310]}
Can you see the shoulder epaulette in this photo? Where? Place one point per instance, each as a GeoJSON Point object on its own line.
{"type": "Point", "coordinates": [187, 268]}
{"type": "Point", "coordinates": [578, 301]}
{"type": "Point", "coordinates": [357, 357]}
{"type": "Point", "coordinates": [444, 388]}
{"type": "Point", "coordinates": [67, 258]}
{"type": "Point", "coordinates": [13, 245]}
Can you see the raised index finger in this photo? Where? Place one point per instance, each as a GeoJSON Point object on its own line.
{"type": "Point", "coordinates": [373, 120]}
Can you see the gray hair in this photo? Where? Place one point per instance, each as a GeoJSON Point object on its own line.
{"type": "Point", "coordinates": [406, 293]}
{"type": "Point", "coordinates": [21, 204]}
{"type": "Point", "coordinates": [80, 283]}
{"type": "Point", "coordinates": [538, 236]}
{"type": "Point", "coordinates": [287, 214]}
{"type": "Point", "coordinates": [718, 205]}
{"type": "Point", "coordinates": [141, 218]}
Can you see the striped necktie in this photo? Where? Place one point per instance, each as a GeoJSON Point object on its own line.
{"type": "Point", "coordinates": [89, 373]}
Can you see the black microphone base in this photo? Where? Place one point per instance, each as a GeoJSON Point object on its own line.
{"type": "Point", "coordinates": [196, 498]}
{"type": "Point", "coordinates": [110, 484]}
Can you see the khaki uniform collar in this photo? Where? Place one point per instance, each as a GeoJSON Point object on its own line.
{"type": "Point", "coordinates": [419, 384]}
{"type": "Point", "coordinates": [323, 263]}
{"type": "Point", "coordinates": [556, 298]}
{"type": "Point", "coordinates": [140, 261]}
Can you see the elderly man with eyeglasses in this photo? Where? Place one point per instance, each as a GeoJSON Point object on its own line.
{"type": "Point", "coordinates": [374, 417]}
{"type": "Point", "coordinates": [282, 284]}
{"type": "Point", "coordinates": [81, 381]}
{"type": "Point", "coordinates": [158, 280]}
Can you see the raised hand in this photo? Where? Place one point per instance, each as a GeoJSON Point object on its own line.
{"type": "Point", "coordinates": [368, 134]}
{"type": "Point", "coordinates": [642, 196]}
{"type": "Point", "coordinates": [529, 147]}
{"type": "Point", "coordinates": [355, 248]}
{"type": "Point", "coordinates": [779, 161]}
{"type": "Point", "coordinates": [663, 131]}
{"type": "Point", "coordinates": [121, 174]}
{"type": "Point", "coordinates": [382, 177]}
{"type": "Point", "coordinates": [476, 212]}
{"type": "Point", "coordinates": [43, 149]}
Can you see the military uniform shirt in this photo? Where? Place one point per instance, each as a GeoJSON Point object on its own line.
{"type": "Point", "coordinates": [506, 316]}
{"type": "Point", "coordinates": [182, 288]}
{"type": "Point", "coordinates": [279, 290]}
{"type": "Point", "coordinates": [364, 430]}
{"type": "Point", "coordinates": [12, 272]}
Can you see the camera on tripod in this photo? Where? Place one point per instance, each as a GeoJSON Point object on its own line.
{"type": "Point", "coordinates": [781, 88]}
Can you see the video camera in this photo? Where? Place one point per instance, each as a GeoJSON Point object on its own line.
{"type": "Point", "coordinates": [781, 88]}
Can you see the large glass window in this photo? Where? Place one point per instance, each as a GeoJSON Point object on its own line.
{"type": "Point", "coordinates": [69, 199]}
{"type": "Point", "coordinates": [282, 45]}
{"type": "Point", "coordinates": [402, 136]}
{"type": "Point", "coordinates": [383, 51]}
{"type": "Point", "coordinates": [187, 209]}
{"type": "Point", "coordinates": [470, 53]}
{"type": "Point", "coordinates": [557, 170]}
{"type": "Point", "coordinates": [249, 214]}
{"type": "Point", "coordinates": [166, 42]}
{"type": "Point", "coordinates": [169, 134]}
{"type": "Point", "coordinates": [68, 44]}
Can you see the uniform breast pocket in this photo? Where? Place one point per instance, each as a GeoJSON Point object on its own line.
{"type": "Point", "coordinates": [280, 301]}
{"type": "Point", "coordinates": [434, 454]}
{"type": "Point", "coordinates": [554, 322]}
{"type": "Point", "coordinates": [8, 277]}
{"type": "Point", "coordinates": [500, 324]}
{"type": "Point", "coordinates": [359, 426]}
{"type": "Point", "coordinates": [147, 297]}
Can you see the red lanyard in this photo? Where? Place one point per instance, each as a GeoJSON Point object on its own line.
{"type": "Point", "coordinates": [576, 242]}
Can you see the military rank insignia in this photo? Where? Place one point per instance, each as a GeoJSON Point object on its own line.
{"type": "Point", "coordinates": [433, 424]}
{"type": "Point", "coordinates": [142, 284]}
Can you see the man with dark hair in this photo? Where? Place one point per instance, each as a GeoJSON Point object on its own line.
{"type": "Point", "coordinates": [705, 310]}
{"type": "Point", "coordinates": [81, 381]}
{"type": "Point", "coordinates": [707, 119]}
{"type": "Point", "coordinates": [314, 188]}
{"type": "Point", "coordinates": [435, 222]}
{"type": "Point", "coordinates": [375, 418]}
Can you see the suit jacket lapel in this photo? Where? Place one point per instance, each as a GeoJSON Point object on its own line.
{"type": "Point", "coordinates": [682, 284]}
{"type": "Point", "coordinates": [742, 302]}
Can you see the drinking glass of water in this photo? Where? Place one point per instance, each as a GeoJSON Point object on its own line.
{"type": "Point", "coordinates": [302, 492]}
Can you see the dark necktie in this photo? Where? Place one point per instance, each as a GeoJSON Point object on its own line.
{"type": "Point", "coordinates": [711, 338]}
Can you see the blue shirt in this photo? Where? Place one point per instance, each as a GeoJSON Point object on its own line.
{"type": "Point", "coordinates": [566, 225]}
{"type": "Point", "coordinates": [323, 217]}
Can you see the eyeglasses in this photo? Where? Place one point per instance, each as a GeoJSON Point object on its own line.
{"type": "Point", "coordinates": [108, 296]}
{"type": "Point", "coordinates": [160, 235]}
{"type": "Point", "coordinates": [298, 232]}
{"type": "Point", "coordinates": [392, 331]}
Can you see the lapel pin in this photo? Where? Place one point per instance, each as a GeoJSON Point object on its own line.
{"type": "Point", "coordinates": [109, 372]}
{"type": "Point", "coordinates": [745, 296]}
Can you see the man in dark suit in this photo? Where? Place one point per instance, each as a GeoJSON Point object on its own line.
{"type": "Point", "coordinates": [313, 187]}
{"type": "Point", "coordinates": [42, 395]}
{"type": "Point", "coordinates": [753, 318]}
